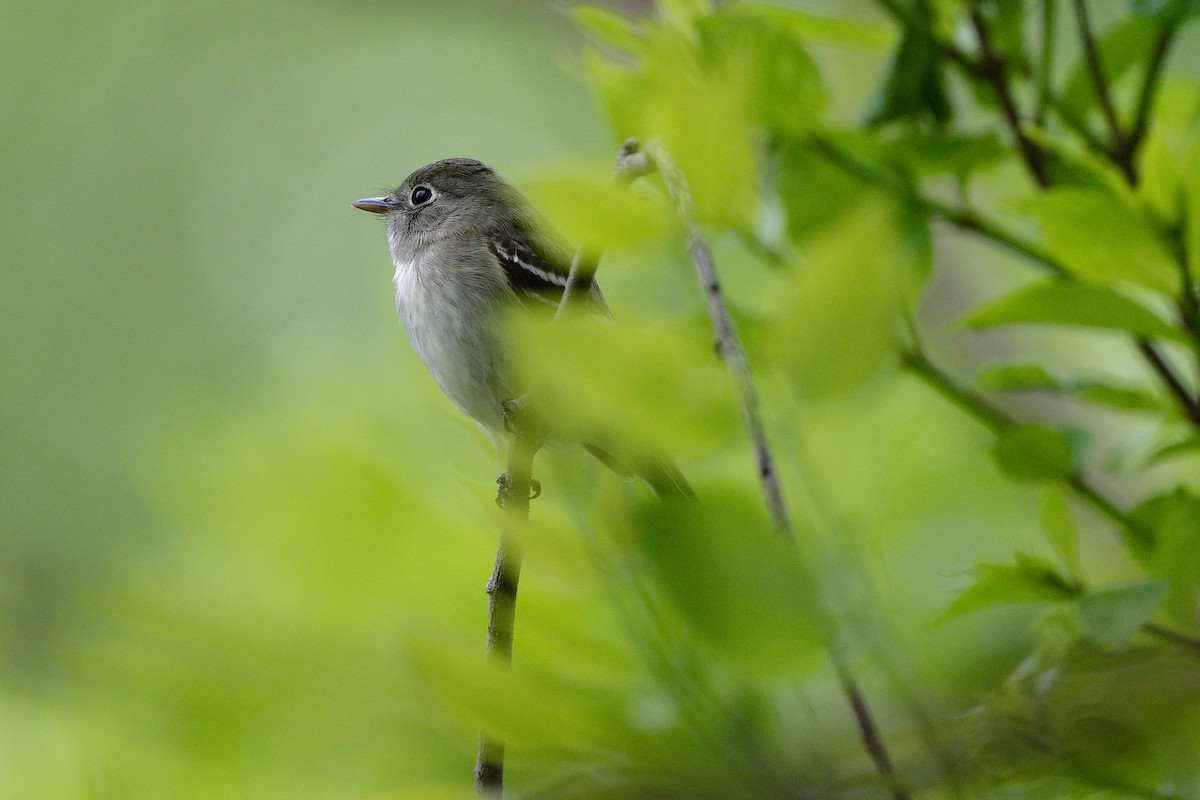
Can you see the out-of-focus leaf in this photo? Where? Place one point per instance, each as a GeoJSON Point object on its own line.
{"type": "Point", "coordinates": [839, 326]}
{"type": "Point", "coordinates": [1073, 165]}
{"type": "Point", "coordinates": [741, 48]}
{"type": "Point", "coordinates": [739, 585]}
{"type": "Point", "coordinates": [1034, 377]}
{"type": "Point", "coordinates": [636, 389]}
{"type": "Point", "coordinates": [1121, 47]}
{"type": "Point", "coordinates": [815, 192]}
{"type": "Point", "coordinates": [1192, 199]}
{"type": "Point", "coordinates": [683, 13]}
{"type": "Point", "coordinates": [1015, 378]}
{"type": "Point", "coordinates": [1111, 616]}
{"type": "Point", "coordinates": [1179, 447]}
{"type": "Point", "coordinates": [915, 87]}
{"type": "Point", "coordinates": [505, 703]}
{"type": "Point", "coordinates": [1172, 521]}
{"type": "Point", "coordinates": [1173, 10]}
{"type": "Point", "coordinates": [1035, 453]}
{"type": "Point", "coordinates": [608, 26]}
{"type": "Point", "coordinates": [1102, 239]}
{"type": "Point", "coordinates": [812, 27]}
{"type": "Point", "coordinates": [1058, 302]}
{"type": "Point", "coordinates": [1006, 24]}
{"type": "Point", "coordinates": [1060, 528]}
{"type": "Point", "coordinates": [1167, 173]}
{"type": "Point", "coordinates": [588, 209]}
{"type": "Point", "coordinates": [944, 152]}
{"type": "Point", "coordinates": [1123, 398]}
{"type": "Point", "coordinates": [1029, 580]}
{"type": "Point", "coordinates": [697, 115]}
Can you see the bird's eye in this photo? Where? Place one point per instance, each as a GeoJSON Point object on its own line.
{"type": "Point", "coordinates": [421, 195]}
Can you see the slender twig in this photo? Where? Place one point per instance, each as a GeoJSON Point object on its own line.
{"type": "Point", "coordinates": [1183, 396]}
{"type": "Point", "coordinates": [728, 343]}
{"type": "Point", "coordinates": [969, 220]}
{"type": "Point", "coordinates": [1045, 60]}
{"type": "Point", "coordinates": [1120, 152]}
{"type": "Point", "coordinates": [655, 157]}
{"type": "Point", "coordinates": [998, 421]}
{"type": "Point", "coordinates": [502, 591]}
{"type": "Point", "coordinates": [966, 219]}
{"type": "Point", "coordinates": [1181, 639]}
{"type": "Point", "coordinates": [994, 71]}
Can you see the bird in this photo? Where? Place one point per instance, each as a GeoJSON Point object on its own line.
{"type": "Point", "coordinates": [468, 248]}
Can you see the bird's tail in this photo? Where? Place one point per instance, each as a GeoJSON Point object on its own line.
{"type": "Point", "coordinates": [662, 476]}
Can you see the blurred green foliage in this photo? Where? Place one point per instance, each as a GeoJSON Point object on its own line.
{"type": "Point", "coordinates": [245, 537]}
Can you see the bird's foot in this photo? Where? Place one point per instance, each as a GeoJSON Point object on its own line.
{"type": "Point", "coordinates": [504, 484]}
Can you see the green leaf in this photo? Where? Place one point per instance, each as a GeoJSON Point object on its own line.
{"type": "Point", "coordinates": [816, 28]}
{"type": "Point", "coordinates": [942, 152]}
{"type": "Point", "coordinates": [1016, 378]}
{"type": "Point", "coordinates": [1180, 447]}
{"type": "Point", "coordinates": [1035, 453]}
{"type": "Point", "coordinates": [1060, 529]}
{"type": "Point", "coordinates": [767, 63]}
{"type": "Point", "coordinates": [1121, 47]}
{"type": "Point", "coordinates": [610, 27]}
{"type": "Point", "coordinates": [741, 587]}
{"type": "Point", "coordinates": [1101, 238]}
{"type": "Point", "coordinates": [1058, 302]}
{"type": "Point", "coordinates": [637, 389]}
{"type": "Point", "coordinates": [1172, 520]}
{"type": "Point", "coordinates": [1192, 200]}
{"type": "Point", "coordinates": [1029, 580]}
{"type": "Point", "coordinates": [1123, 398]}
{"type": "Point", "coordinates": [1034, 377]}
{"type": "Point", "coordinates": [915, 88]}
{"type": "Point", "coordinates": [588, 209]}
{"type": "Point", "coordinates": [838, 327]}
{"type": "Point", "coordinates": [1111, 616]}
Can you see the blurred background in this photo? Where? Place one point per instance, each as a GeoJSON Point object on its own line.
{"type": "Point", "coordinates": [220, 555]}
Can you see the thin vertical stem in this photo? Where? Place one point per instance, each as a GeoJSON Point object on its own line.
{"type": "Point", "coordinates": [730, 347]}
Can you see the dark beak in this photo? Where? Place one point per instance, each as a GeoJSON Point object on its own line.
{"type": "Point", "coordinates": [376, 205]}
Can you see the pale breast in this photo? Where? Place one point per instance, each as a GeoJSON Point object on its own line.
{"type": "Point", "coordinates": [449, 318]}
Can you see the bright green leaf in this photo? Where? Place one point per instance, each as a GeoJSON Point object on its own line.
{"type": "Point", "coordinates": [1111, 616]}
{"type": "Point", "coordinates": [1058, 302]}
{"type": "Point", "coordinates": [1029, 580]}
{"type": "Point", "coordinates": [608, 26]}
{"type": "Point", "coordinates": [1016, 378]}
{"type": "Point", "coordinates": [1035, 453]}
{"type": "Point", "coordinates": [1180, 447]}
{"type": "Point", "coordinates": [1060, 528]}
{"type": "Point", "coordinates": [832, 30]}
{"type": "Point", "coordinates": [942, 152]}
{"type": "Point", "coordinates": [1192, 200]}
{"type": "Point", "coordinates": [915, 88]}
{"type": "Point", "coordinates": [636, 389]}
{"type": "Point", "coordinates": [739, 585]}
{"type": "Point", "coordinates": [839, 326]}
{"type": "Point", "coordinates": [588, 209]}
{"type": "Point", "coordinates": [1173, 521]}
{"type": "Point", "coordinates": [1100, 238]}
{"type": "Point", "coordinates": [767, 63]}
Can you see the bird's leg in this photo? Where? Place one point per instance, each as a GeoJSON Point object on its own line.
{"type": "Point", "coordinates": [519, 419]}
{"type": "Point", "coordinates": [535, 489]}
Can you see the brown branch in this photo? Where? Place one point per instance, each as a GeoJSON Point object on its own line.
{"type": "Point", "coordinates": [729, 345]}
{"type": "Point", "coordinates": [992, 69]}
{"type": "Point", "coordinates": [515, 486]}
{"type": "Point", "coordinates": [1120, 151]}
